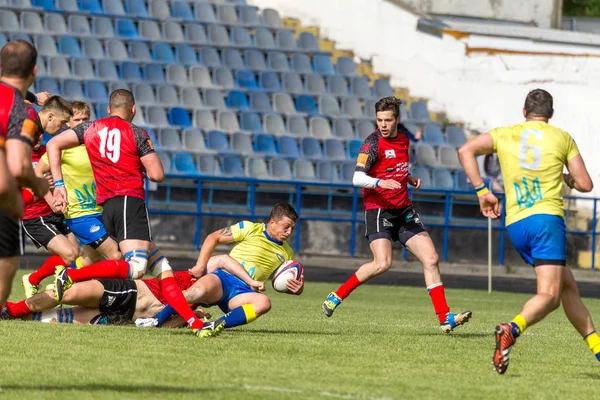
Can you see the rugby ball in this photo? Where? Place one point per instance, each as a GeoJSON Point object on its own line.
{"type": "Point", "coordinates": [291, 269]}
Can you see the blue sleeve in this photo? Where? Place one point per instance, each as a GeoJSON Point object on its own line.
{"type": "Point", "coordinates": [165, 314]}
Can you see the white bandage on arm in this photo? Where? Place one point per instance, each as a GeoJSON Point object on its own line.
{"type": "Point", "coordinates": [361, 179]}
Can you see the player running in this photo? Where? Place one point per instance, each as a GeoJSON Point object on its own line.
{"type": "Point", "coordinates": [120, 153]}
{"type": "Point", "coordinates": [83, 216]}
{"type": "Point", "coordinates": [382, 170]}
{"type": "Point", "coordinates": [260, 249]}
{"type": "Point", "coordinates": [17, 132]}
{"type": "Point", "coordinates": [532, 155]}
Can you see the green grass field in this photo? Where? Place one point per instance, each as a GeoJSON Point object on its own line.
{"type": "Point", "coordinates": [383, 343]}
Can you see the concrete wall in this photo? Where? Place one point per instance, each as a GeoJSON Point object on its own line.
{"type": "Point", "coordinates": [482, 90]}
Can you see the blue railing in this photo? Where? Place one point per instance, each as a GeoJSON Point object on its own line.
{"type": "Point", "coordinates": [204, 205]}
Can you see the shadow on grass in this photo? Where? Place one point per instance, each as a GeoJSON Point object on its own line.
{"type": "Point", "coordinates": [100, 387]}
{"type": "Point", "coordinates": [465, 335]}
{"type": "Point", "coordinates": [278, 332]}
{"type": "Point", "coordinates": [592, 376]}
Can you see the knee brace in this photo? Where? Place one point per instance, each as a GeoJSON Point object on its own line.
{"type": "Point", "coordinates": [160, 265]}
{"type": "Point", "coordinates": [138, 261]}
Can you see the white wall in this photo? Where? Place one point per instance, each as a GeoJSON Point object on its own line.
{"type": "Point", "coordinates": [537, 11]}
{"type": "Point", "coordinates": [484, 91]}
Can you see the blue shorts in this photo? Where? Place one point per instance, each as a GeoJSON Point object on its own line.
{"type": "Point", "coordinates": [540, 239]}
{"type": "Point", "coordinates": [232, 287]}
{"type": "Point", "coordinates": [89, 229]}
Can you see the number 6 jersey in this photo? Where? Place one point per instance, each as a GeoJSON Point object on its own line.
{"type": "Point", "coordinates": [115, 147]}
{"type": "Point", "coordinates": [532, 156]}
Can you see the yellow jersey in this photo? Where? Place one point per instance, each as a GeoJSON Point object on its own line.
{"type": "Point", "coordinates": [532, 156]}
{"type": "Point", "coordinates": [79, 183]}
{"type": "Point", "coordinates": [258, 253]}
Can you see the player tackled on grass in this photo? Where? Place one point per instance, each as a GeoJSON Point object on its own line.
{"type": "Point", "coordinates": [532, 155]}
{"type": "Point", "coordinates": [120, 153]}
{"type": "Point", "coordinates": [382, 170]}
{"type": "Point", "coordinates": [260, 249]}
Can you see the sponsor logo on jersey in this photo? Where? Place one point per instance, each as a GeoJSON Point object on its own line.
{"type": "Point", "coordinates": [390, 153]}
{"type": "Point", "coordinates": [280, 257]}
{"type": "Point", "coordinates": [362, 160]}
{"type": "Point", "coordinates": [94, 229]}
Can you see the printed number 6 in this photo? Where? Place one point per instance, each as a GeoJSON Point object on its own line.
{"type": "Point", "coordinates": [526, 147]}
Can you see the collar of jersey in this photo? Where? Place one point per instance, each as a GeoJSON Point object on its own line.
{"type": "Point", "coordinates": [270, 238]}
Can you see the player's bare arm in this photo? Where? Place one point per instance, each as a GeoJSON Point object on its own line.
{"type": "Point", "coordinates": [479, 146]}
{"type": "Point", "coordinates": [230, 265]}
{"type": "Point", "coordinates": [42, 170]}
{"type": "Point", "coordinates": [20, 166]}
{"type": "Point", "coordinates": [153, 167]}
{"type": "Point", "coordinates": [66, 140]}
{"type": "Point", "coordinates": [578, 177]}
{"type": "Point", "coordinates": [222, 236]}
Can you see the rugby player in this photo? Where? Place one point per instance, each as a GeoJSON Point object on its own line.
{"type": "Point", "coordinates": [532, 156]}
{"type": "Point", "coordinates": [382, 170]}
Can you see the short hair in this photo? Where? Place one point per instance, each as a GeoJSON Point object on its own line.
{"type": "Point", "coordinates": [390, 103]}
{"type": "Point", "coordinates": [121, 98]}
{"type": "Point", "coordinates": [80, 107]}
{"type": "Point", "coordinates": [281, 210]}
{"type": "Point", "coordinates": [17, 59]}
{"type": "Point", "coordinates": [540, 103]}
{"type": "Point", "coordinates": [57, 104]}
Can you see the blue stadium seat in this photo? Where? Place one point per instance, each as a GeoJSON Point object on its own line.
{"type": "Point", "coordinates": [263, 39]}
{"type": "Point", "coordinates": [240, 37]}
{"type": "Point", "coordinates": [217, 141]}
{"type": "Point", "coordinates": [180, 117]}
{"type": "Point", "coordinates": [292, 83]}
{"type": "Point", "coordinates": [306, 104]}
{"type": "Point", "coordinates": [233, 166]}
{"type": "Point", "coordinates": [322, 65]}
{"type": "Point", "coordinates": [113, 7]}
{"type": "Point", "coordinates": [308, 41]}
{"type": "Point", "coordinates": [209, 57]}
{"type": "Point", "coordinates": [327, 172]}
{"type": "Point", "coordinates": [183, 163]}
{"type": "Point", "coordinates": [280, 169]}
{"type": "Point", "coordinates": [237, 100]}
{"type": "Point", "coordinates": [345, 66]}
{"type": "Point", "coordinates": [91, 6]}
{"type": "Point", "coordinates": [337, 86]}
{"type": "Point", "coordinates": [130, 71]}
{"type": "Point", "coordinates": [264, 143]}
{"type": "Point", "coordinates": [255, 60]}
{"type": "Point", "coordinates": [353, 148]}
{"type": "Point", "coordinates": [269, 81]}
{"type": "Point", "coordinates": [96, 91]}
{"type": "Point", "coordinates": [311, 148]}
{"type": "Point", "coordinates": [432, 134]}
{"type": "Point", "coordinates": [186, 55]}
{"type": "Point", "coordinates": [195, 33]}
{"type": "Point", "coordinates": [102, 111]}
{"type": "Point", "coordinates": [419, 112]}
{"type": "Point", "coordinates": [136, 8]}
{"type": "Point", "coordinates": [259, 101]}
{"type": "Point", "coordinates": [300, 63]}
{"type": "Point", "coordinates": [72, 90]}
{"type": "Point", "coordinates": [277, 61]}
{"type": "Point", "coordinates": [168, 138]}
{"type": "Point", "coordinates": [296, 125]}
{"type": "Point", "coordinates": [334, 149]}
{"type": "Point", "coordinates": [455, 135]}
{"type": "Point", "coordinates": [48, 85]}
{"type": "Point", "coordinates": [232, 59]}
{"type": "Point", "coordinates": [270, 17]}
{"type": "Point", "coordinates": [126, 28]}
{"type": "Point", "coordinates": [382, 88]}
{"type": "Point", "coordinates": [182, 10]}
{"type": "Point", "coordinates": [250, 122]}
{"type": "Point", "coordinates": [47, 5]}
{"type": "Point", "coordinates": [304, 170]}
{"type": "Point", "coordinates": [103, 27]}
{"type": "Point", "coordinates": [422, 173]}
{"type": "Point", "coordinates": [162, 52]}
{"type": "Point", "coordinates": [288, 147]}
{"type": "Point", "coordinates": [443, 179]}
{"type": "Point", "coordinates": [246, 79]}
{"type": "Point", "coordinates": [153, 73]}
{"type": "Point", "coordinates": [205, 13]}
{"type": "Point", "coordinates": [69, 46]}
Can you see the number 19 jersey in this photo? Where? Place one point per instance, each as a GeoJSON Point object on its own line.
{"type": "Point", "coordinates": [532, 155]}
{"type": "Point", "coordinates": [114, 147]}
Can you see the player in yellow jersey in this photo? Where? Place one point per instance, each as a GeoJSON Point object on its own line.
{"type": "Point", "coordinates": [532, 156]}
{"type": "Point", "coordinates": [260, 249]}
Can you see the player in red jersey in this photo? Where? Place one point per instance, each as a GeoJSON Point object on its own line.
{"type": "Point", "coordinates": [120, 153]}
{"type": "Point", "coordinates": [382, 170]}
{"type": "Point", "coordinates": [17, 131]}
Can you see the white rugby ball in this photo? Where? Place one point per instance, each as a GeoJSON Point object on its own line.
{"type": "Point", "coordinates": [291, 269]}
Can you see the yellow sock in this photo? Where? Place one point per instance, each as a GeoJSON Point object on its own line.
{"type": "Point", "coordinates": [593, 341]}
{"type": "Point", "coordinates": [250, 313]}
{"type": "Point", "coordinates": [520, 322]}
{"type": "Point", "coordinates": [78, 262]}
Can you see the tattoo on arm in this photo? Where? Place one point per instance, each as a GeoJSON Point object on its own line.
{"type": "Point", "coordinates": [226, 231]}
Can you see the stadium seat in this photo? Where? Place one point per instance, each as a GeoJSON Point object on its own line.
{"type": "Point", "coordinates": [193, 141]}
{"type": "Point", "coordinates": [177, 75]}
{"type": "Point", "coordinates": [296, 125]}
{"type": "Point", "coordinates": [327, 172]}
{"type": "Point", "coordinates": [116, 50]}
{"type": "Point", "coordinates": [319, 127]}
{"type": "Point", "coordinates": [369, 108]}
{"type": "Point", "coordinates": [157, 116]}
{"type": "Point", "coordinates": [149, 30]}
{"type": "Point", "coordinates": [322, 65]}
{"type": "Point", "coordinates": [433, 135]}
{"type": "Point", "coordinates": [308, 41]}
{"type": "Point", "coordinates": [159, 9]}
{"type": "Point", "coordinates": [217, 35]}
{"type": "Point", "coordinates": [337, 86]}
{"type": "Point", "coordinates": [270, 17]}
{"type": "Point", "coordinates": [172, 32]}
{"type": "Point", "coordinates": [419, 112]}
{"type": "Point", "coordinates": [204, 119]}
{"type": "Point", "coordinates": [103, 27]}
{"type": "Point", "coordinates": [232, 58]}
{"type": "Point", "coordinates": [153, 73]}
{"type": "Point", "coordinates": [422, 173]}
{"type": "Point", "coordinates": [144, 94]}
{"type": "Point", "coordinates": [180, 117]}
{"type": "Point", "coordinates": [195, 33]}
{"type": "Point", "coordinates": [334, 149]}
{"type": "Point", "coordinates": [283, 104]}
{"type": "Point", "coordinates": [292, 83]}
{"type": "Point", "coordinates": [237, 100]}
{"type": "Point", "coordinates": [364, 129]}
{"type": "Point", "coordinates": [342, 129]}
{"type": "Point", "coordinates": [47, 84]}
{"type": "Point", "coordinates": [259, 101]}
{"type": "Point", "coordinates": [92, 48]}
{"type": "Point", "coordinates": [425, 155]}
{"type": "Point", "coordinates": [449, 157]}
{"type": "Point", "coordinates": [273, 124]}
{"type": "Point", "coordinates": [182, 10]}
{"type": "Point", "coordinates": [183, 163]}
{"type": "Point", "coordinates": [78, 25]}
{"type": "Point", "coordinates": [233, 166]}
{"type": "Point", "coordinates": [55, 24]}
{"type": "Point", "coordinates": [72, 90]}
{"type": "Point", "coordinates": [345, 66]}
{"type": "Point", "coordinates": [186, 55]}
{"type": "Point", "coordinates": [31, 23]}
{"type": "Point", "coordinates": [162, 52]}
{"type": "Point", "coordinates": [455, 135]}
{"type": "Point", "coordinates": [248, 15]}
{"type": "Point", "coordinates": [67, 5]}
{"type": "Point", "coordinates": [168, 138]}
{"type": "Point", "coordinates": [47, 5]}
{"type": "Point", "coordinates": [461, 182]}
{"type": "Point", "coordinates": [347, 171]}
{"type": "Point", "coordinates": [140, 52]}
{"type": "Point", "coordinates": [69, 46]}
{"type": "Point", "coordinates": [353, 148]}
{"type": "Point", "coordinates": [165, 159]}
{"type": "Point", "coordinates": [246, 79]}
{"type": "Point", "coordinates": [9, 21]}
{"type": "Point", "coordinates": [226, 14]}
{"type": "Point", "coordinates": [126, 28]}
{"type": "Point", "coordinates": [58, 67]}
{"type": "Point", "coordinates": [41, 71]}
{"type": "Point", "coordinates": [329, 106]}
{"type": "Point", "coordinates": [131, 72]}
{"type": "Point", "coordinates": [314, 85]}
{"type": "Point", "coordinates": [112, 86]}
{"type": "Point", "coordinates": [113, 7]}
{"type": "Point", "coordinates": [200, 77]}
{"type": "Point", "coordinates": [255, 60]}
{"type": "Point", "coordinates": [277, 62]}
{"type": "Point", "coordinates": [213, 99]}
{"type": "Point", "coordinates": [311, 148]}
{"type": "Point", "coordinates": [96, 91]}
{"type": "Point", "coordinates": [351, 108]}
{"type": "Point", "coordinates": [240, 37]}
{"type": "Point", "coordinates": [250, 122]}
{"type": "Point", "coordinates": [265, 144]}
{"type": "Point", "coordinates": [306, 104]}
{"type": "Point", "coordinates": [280, 169]}
{"type": "Point", "coordinates": [190, 98]}
{"type": "Point", "coordinates": [209, 57]}
{"type": "Point", "coordinates": [263, 39]}
{"type": "Point", "coordinates": [443, 179]}
{"type": "Point", "coordinates": [102, 111]}
{"type": "Point", "coordinates": [208, 165]}
{"type": "Point", "coordinates": [91, 6]}
{"type": "Point", "coordinates": [304, 170]}
{"type": "Point", "coordinates": [257, 168]}
{"type": "Point", "coordinates": [359, 86]}
{"type": "Point", "coordinates": [382, 88]}
{"type": "Point", "coordinates": [269, 81]}
{"type": "Point", "coordinates": [412, 128]}
{"type": "Point", "coordinates": [300, 63]}
{"type": "Point", "coordinates": [227, 121]}
{"type": "Point", "coordinates": [285, 41]}
{"type": "Point", "coordinates": [136, 8]}
{"type": "Point", "coordinates": [288, 147]}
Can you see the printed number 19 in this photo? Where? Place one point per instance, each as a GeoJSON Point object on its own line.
{"type": "Point", "coordinates": [526, 148]}
{"type": "Point", "coordinates": [110, 144]}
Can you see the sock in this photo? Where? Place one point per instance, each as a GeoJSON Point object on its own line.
{"type": "Point", "coordinates": [172, 294]}
{"type": "Point", "coordinates": [107, 269]}
{"type": "Point", "coordinates": [77, 263]}
{"type": "Point", "coordinates": [65, 315]}
{"type": "Point", "coordinates": [17, 310]}
{"type": "Point", "coordinates": [47, 269]}
{"type": "Point", "coordinates": [239, 316]}
{"type": "Point", "coordinates": [438, 298]}
{"type": "Point", "coordinates": [518, 325]}
{"type": "Point", "coordinates": [347, 288]}
{"type": "Point", "coordinates": [593, 341]}
{"type": "Point", "coordinates": [165, 314]}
